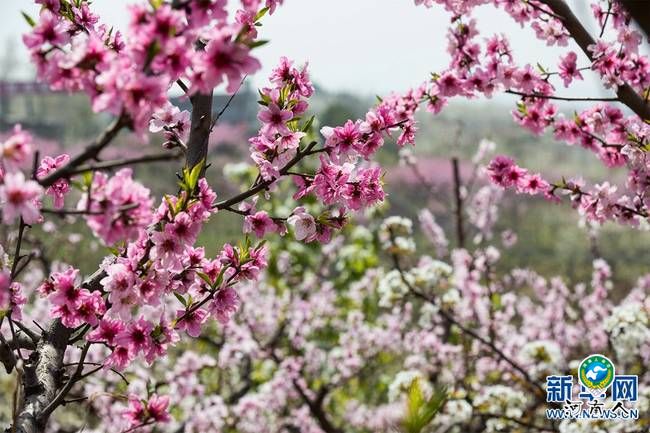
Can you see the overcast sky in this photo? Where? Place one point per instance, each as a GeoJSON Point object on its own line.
{"type": "Point", "coordinates": [366, 46]}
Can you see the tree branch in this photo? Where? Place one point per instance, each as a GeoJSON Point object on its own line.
{"type": "Point", "coordinates": [450, 319]}
{"type": "Point", "coordinates": [90, 152]}
{"type": "Point", "coordinates": [458, 207]}
{"type": "Point", "coordinates": [560, 98]}
{"type": "Point", "coordinates": [197, 146]}
{"type": "Point", "coordinates": [572, 24]}
{"type": "Point", "coordinates": [164, 156]}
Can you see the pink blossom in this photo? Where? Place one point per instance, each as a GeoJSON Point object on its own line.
{"type": "Point", "coordinates": [135, 414]}
{"type": "Point", "coordinates": [225, 304]}
{"type": "Point", "coordinates": [120, 357]}
{"type": "Point", "coordinates": [11, 296]}
{"type": "Point", "coordinates": [568, 68]}
{"type": "Point", "coordinates": [183, 228]}
{"type": "Point", "coordinates": [157, 407]}
{"type": "Point", "coordinates": [16, 150]}
{"type": "Point", "coordinates": [533, 184]}
{"type": "Point", "coordinates": [122, 207]}
{"type": "Point", "coordinates": [192, 321]}
{"type": "Point", "coordinates": [225, 59]}
{"type": "Point", "coordinates": [20, 198]}
{"type": "Point", "coordinates": [344, 138]}
{"type": "Point", "coordinates": [167, 251]}
{"type": "Point", "coordinates": [449, 84]}
{"type": "Point", "coordinates": [303, 224]}
{"type": "Point", "coordinates": [260, 223]}
{"type": "Point", "coordinates": [136, 336]}
{"type": "Point", "coordinates": [275, 120]}
{"type": "Point", "coordinates": [106, 332]}
{"type": "Point", "coordinates": [49, 30]}
{"type": "Point", "coordinates": [61, 187]}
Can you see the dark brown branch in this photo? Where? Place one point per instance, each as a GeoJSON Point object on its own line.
{"type": "Point", "coordinates": [639, 11]}
{"type": "Point", "coordinates": [560, 98]}
{"type": "Point", "coordinates": [19, 243]}
{"type": "Point", "coordinates": [43, 371]}
{"type": "Point", "coordinates": [42, 378]}
{"type": "Point", "coordinates": [60, 397]}
{"type": "Point", "coordinates": [164, 156]}
{"type": "Point", "coordinates": [316, 410]}
{"type": "Point", "coordinates": [227, 104]}
{"type": "Point", "coordinates": [261, 186]}
{"type": "Point", "coordinates": [197, 146]}
{"type": "Point", "coordinates": [458, 205]}
{"type": "Point", "coordinates": [572, 24]}
{"type": "Point", "coordinates": [90, 152]}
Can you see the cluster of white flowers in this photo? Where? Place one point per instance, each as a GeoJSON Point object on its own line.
{"type": "Point", "coordinates": [628, 329]}
{"type": "Point", "coordinates": [391, 288]}
{"type": "Point", "coordinates": [500, 399]}
{"type": "Point", "coordinates": [432, 275]}
{"type": "Point", "coordinates": [395, 235]}
{"type": "Point", "coordinates": [456, 411]}
{"type": "Point", "coordinates": [542, 357]}
{"type": "Point", "coordinates": [400, 385]}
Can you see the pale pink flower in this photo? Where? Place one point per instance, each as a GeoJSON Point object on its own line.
{"type": "Point", "coordinates": [20, 198]}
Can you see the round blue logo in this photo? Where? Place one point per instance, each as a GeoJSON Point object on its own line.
{"type": "Point", "coordinates": [596, 373]}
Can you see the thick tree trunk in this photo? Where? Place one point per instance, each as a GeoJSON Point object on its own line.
{"type": "Point", "coordinates": [42, 378]}
{"type": "Point", "coordinates": [197, 146]}
{"type": "Point", "coordinates": [640, 11]}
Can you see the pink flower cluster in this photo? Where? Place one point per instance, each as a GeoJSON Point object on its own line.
{"type": "Point", "coordinates": [504, 172]}
{"type": "Point", "coordinates": [279, 137]}
{"type": "Point", "coordinates": [11, 296]}
{"type": "Point", "coordinates": [477, 69]}
{"type": "Point", "coordinates": [19, 197]}
{"type": "Point", "coordinates": [342, 181]}
{"type": "Point", "coordinates": [153, 410]}
{"type": "Point", "coordinates": [175, 124]}
{"type": "Point", "coordinates": [160, 268]}
{"type": "Point", "coordinates": [118, 207]}
{"type": "Point", "coordinates": [61, 187]}
{"type": "Point", "coordinates": [131, 74]}
{"type": "Point", "coordinates": [71, 303]}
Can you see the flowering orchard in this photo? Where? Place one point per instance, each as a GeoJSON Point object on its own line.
{"type": "Point", "coordinates": [272, 336]}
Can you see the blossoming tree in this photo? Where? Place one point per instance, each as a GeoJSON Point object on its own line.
{"type": "Point", "coordinates": [157, 285]}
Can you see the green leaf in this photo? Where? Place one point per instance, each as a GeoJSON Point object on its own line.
{"type": "Point", "coordinates": [420, 411]}
{"type": "Point", "coordinates": [29, 19]}
{"type": "Point", "coordinates": [181, 299]}
{"type": "Point", "coordinates": [170, 205]}
{"type": "Point", "coordinates": [308, 124]}
{"type": "Point", "coordinates": [219, 279]}
{"type": "Point", "coordinates": [88, 178]}
{"type": "Point", "coordinates": [205, 278]}
{"type": "Point", "coordinates": [255, 44]}
{"type": "Point", "coordinates": [192, 176]}
{"type": "Point", "coordinates": [415, 399]}
{"type": "Point", "coordinates": [261, 13]}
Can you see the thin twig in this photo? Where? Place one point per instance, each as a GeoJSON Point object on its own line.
{"type": "Point", "coordinates": [560, 98]}
{"type": "Point", "coordinates": [90, 152]}
{"type": "Point", "coordinates": [164, 156]}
